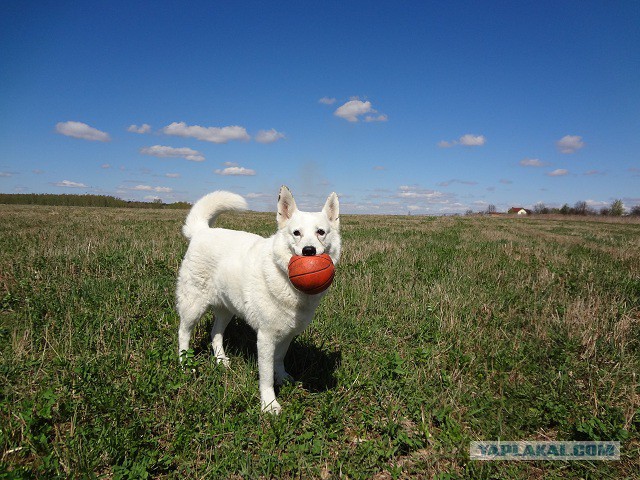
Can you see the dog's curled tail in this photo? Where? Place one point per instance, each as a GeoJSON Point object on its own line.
{"type": "Point", "coordinates": [203, 214]}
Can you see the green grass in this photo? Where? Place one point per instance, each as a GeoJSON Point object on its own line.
{"type": "Point", "coordinates": [436, 332]}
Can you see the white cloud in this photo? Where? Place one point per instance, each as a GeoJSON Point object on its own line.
{"type": "Point", "coordinates": [379, 168]}
{"type": "Point", "coordinates": [327, 100]}
{"type": "Point", "coordinates": [570, 144]}
{"type": "Point", "coordinates": [467, 140]}
{"type": "Point", "coordinates": [597, 203]}
{"type": "Point", "coordinates": [81, 130]}
{"type": "Point", "coordinates": [470, 140]}
{"type": "Point", "coordinates": [269, 136]}
{"type": "Point", "coordinates": [258, 195]}
{"type": "Point", "coordinates": [69, 184]}
{"type": "Point", "coordinates": [172, 175]}
{"type": "Point", "coordinates": [355, 108]}
{"type": "Point", "coordinates": [456, 180]}
{"type": "Point", "coordinates": [171, 152]}
{"type": "Point", "coordinates": [558, 172]}
{"type": "Point", "coordinates": [403, 199]}
{"type": "Point", "coordinates": [429, 201]}
{"type": "Point", "coordinates": [409, 191]}
{"type": "Point", "coordinates": [144, 128]}
{"type": "Point", "coordinates": [235, 171]}
{"type": "Point", "coordinates": [149, 188]}
{"type": "Point", "coordinates": [352, 109]}
{"type": "Point", "coordinates": [105, 165]}
{"type": "Point", "coordinates": [532, 162]}
{"type": "Point", "coordinates": [5, 174]}
{"type": "Point", "coordinates": [376, 118]}
{"type": "Point", "coordinates": [207, 134]}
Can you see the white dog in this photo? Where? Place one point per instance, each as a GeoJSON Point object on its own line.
{"type": "Point", "coordinates": [245, 275]}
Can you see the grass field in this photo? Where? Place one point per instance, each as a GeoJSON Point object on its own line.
{"type": "Point", "coordinates": [436, 332]}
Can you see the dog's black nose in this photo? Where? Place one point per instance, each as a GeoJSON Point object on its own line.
{"type": "Point", "coordinates": [309, 251]}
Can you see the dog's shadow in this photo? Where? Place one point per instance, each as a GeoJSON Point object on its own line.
{"type": "Point", "coordinates": [314, 367]}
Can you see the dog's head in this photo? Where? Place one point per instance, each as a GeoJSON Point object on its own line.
{"type": "Point", "coordinates": [307, 233]}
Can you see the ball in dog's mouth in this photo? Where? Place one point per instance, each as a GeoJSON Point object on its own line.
{"type": "Point", "coordinates": [311, 274]}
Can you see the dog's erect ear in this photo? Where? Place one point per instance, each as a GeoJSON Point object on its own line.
{"type": "Point", "coordinates": [286, 206]}
{"type": "Point", "coordinates": [332, 209]}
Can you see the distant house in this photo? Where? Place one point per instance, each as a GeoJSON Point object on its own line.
{"type": "Point", "coordinates": [519, 211]}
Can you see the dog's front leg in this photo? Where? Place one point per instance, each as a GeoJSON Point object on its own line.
{"type": "Point", "coordinates": [281, 350]}
{"type": "Point", "coordinates": [266, 358]}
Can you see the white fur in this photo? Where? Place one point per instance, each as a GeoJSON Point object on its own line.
{"type": "Point", "coordinates": [245, 275]}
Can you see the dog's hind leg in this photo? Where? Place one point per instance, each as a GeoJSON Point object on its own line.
{"type": "Point", "coordinates": [221, 320]}
{"type": "Point", "coordinates": [190, 309]}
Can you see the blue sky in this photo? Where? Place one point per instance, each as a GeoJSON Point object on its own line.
{"type": "Point", "coordinates": [421, 107]}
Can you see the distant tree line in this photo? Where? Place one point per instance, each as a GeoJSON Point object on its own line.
{"type": "Point", "coordinates": [86, 200]}
{"type": "Point", "coordinates": [616, 209]}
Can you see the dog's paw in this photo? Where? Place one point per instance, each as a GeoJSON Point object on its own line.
{"type": "Point", "coordinates": [282, 378]}
{"type": "Point", "coordinates": [224, 360]}
{"type": "Point", "coordinates": [273, 407]}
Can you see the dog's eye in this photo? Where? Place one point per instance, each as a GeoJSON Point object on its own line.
{"type": "Point", "coordinates": [296, 233]}
{"type": "Point", "coordinates": [320, 232]}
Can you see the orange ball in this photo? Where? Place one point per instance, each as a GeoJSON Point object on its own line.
{"type": "Point", "coordinates": [311, 274]}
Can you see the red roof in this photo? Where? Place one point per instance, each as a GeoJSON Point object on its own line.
{"type": "Point", "coordinates": [517, 209]}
